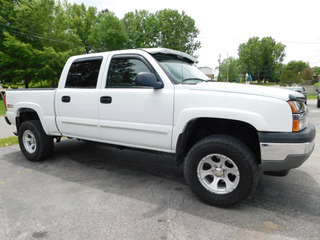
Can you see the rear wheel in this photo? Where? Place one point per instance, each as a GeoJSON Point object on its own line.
{"type": "Point", "coordinates": [34, 143]}
{"type": "Point", "coordinates": [221, 170]}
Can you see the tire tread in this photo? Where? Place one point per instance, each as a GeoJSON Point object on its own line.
{"type": "Point", "coordinates": [44, 142]}
{"type": "Point", "coordinates": [245, 154]}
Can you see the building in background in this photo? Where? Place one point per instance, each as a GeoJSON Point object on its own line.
{"type": "Point", "coordinates": [207, 71]}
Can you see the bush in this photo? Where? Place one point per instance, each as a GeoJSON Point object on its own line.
{"type": "Point", "coordinates": [43, 84]}
{"type": "Point", "coordinates": [289, 77]}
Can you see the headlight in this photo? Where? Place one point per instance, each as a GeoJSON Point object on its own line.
{"type": "Point", "coordinates": [299, 115]}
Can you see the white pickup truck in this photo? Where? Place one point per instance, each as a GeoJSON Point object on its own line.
{"type": "Point", "coordinates": [156, 99]}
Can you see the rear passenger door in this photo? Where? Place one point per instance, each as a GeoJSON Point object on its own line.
{"type": "Point", "coordinates": [77, 103]}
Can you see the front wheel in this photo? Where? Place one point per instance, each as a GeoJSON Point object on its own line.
{"type": "Point", "coordinates": [221, 170]}
{"type": "Point", "coordinates": [34, 143]}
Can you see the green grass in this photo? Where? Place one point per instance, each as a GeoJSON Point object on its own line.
{"type": "Point", "coordinates": [5, 142]}
{"type": "Point", "coordinates": [264, 84]}
{"type": "Point", "coordinates": [312, 96]}
{"type": "Point", "coordinates": [2, 108]}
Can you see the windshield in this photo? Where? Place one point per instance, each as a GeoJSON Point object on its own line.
{"type": "Point", "coordinates": [181, 71]}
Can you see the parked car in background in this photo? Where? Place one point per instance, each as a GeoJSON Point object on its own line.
{"type": "Point", "coordinates": [299, 89]}
{"type": "Point", "coordinates": [318, 101]}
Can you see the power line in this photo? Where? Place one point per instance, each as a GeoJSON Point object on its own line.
{"type": "Point", "coordinates": [32, 34]}
{"type": "Point", "coordinates": [315, 62]}
{"type": "Point", "coordinates": [311, 57]}
{"type": "Point", "coordinates": [302, 42]}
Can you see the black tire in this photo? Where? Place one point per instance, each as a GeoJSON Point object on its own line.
{"type": "Point", "coordinates": [34, 143]}
{"type": "Point", "coordinates": [231, 166]}
{"type": "Point", "coordinates": [318, 103]}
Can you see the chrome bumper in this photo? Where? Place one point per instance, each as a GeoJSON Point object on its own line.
{"type": "Point", "coordinates": [280, 151]}
{"type": "Point", "coordinates": [284, 151]}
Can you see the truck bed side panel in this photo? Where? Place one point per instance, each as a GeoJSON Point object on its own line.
{"type": "Point", "coordinates": [40, 100]}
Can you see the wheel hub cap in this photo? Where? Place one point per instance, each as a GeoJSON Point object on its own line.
{"type": "Point", "coordinates": [29, 141]}
{"type": "Point", "coordinates": [218, 174]}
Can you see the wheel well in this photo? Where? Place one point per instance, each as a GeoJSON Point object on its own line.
{"type": "Point", "coordinates": [26, 114]}
{"type": "Point", "coordinates": [204, 127]}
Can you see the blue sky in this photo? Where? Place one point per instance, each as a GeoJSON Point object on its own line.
{"type": "Point", "coordinates": [225, 24]}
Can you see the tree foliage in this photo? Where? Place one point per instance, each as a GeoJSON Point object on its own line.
{"type": "Point", "coordinates": [36, 42]}
{"type": "Point", "coordinates": [289, 77]}
{"type": "Point", "coordinates": [296, 71]}
{"type": "Point", "coordinates": [177, 31]}
{"type": "Point", "coordinates": [296, 66]}
{"type": "Point", "coordinates": [108, 34]}
{"type": "Point", "coordinates": [307, 74]}
{"type": "Point", "coordinates": [166, 28]}
{"type": "Point", "coordinates": [141, 29]}
{"type": "Point", "coordinates": [81, 21]}
{"type": "Point", "coordinates": [316, 71]}
{"type": "Point", "coordinates": [229, 69]}
{"type": "Point", "coordinates": [261, 58]}
{"type": "Point", "coordinates": [38, 36]}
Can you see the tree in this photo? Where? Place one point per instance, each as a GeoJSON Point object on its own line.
{"type": "Point", "coordinates": [82, 21]}
{"type": "Point", "coordinates": [292, 72]}
{"type": "Point", "coordinates": [229, 69]}
{"type": "Point", "coordinates": [141, 29]}
{"type": "Point", "coordinates": [272, 55]}
{"type": "Point", "coordinates": [289, 77]}
{"type": "Point", "coordinates": [36, 42]}
{"type": "Point", "coordinates": [177, 31]}
{"type": "Point", "coordinates": [37, 36]}
{"type": "Point", "coordinates": [23, 63]}
{"type": "Point", "coordinates": [166, 28]}
{"type": "Point", "coordinates": [249, 57]}
{"type": "Point", "coordinates": [296, 66]}
{"type": "Point", "coordinates": [316, 70]}
{"type": "Point", "coordinates": [107, 34]}
{"type": "Point", "coordinates": [6, 16]}
{"type": "Point", "coordinates": [261, 58]}
{"type": "Point", "coordinates": [307, 74]}
{"type": "Point", "coordinates": [17, 61]}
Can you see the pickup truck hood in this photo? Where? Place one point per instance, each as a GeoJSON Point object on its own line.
{"type": "Point", "coordinates": [272, 92]}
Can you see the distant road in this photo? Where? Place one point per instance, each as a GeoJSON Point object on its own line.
{"type": "Point", "coordinates": [5, 129]}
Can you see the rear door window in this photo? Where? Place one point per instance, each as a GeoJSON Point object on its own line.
{"type": "Point", "coordinates": [84, 73]}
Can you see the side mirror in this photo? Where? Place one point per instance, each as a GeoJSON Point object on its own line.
{"type": "Point", "coordinates": [148, 80]}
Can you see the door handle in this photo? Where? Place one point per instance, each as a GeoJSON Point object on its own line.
{"type": "Point", "coordinates": [66, 99]}
{"type": "Point", "coordinates": [106, 100]}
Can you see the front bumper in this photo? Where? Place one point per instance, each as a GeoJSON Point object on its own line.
{"type": "Point", "coordinates": [284, 151]}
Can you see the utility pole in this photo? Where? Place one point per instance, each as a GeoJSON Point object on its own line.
{"type": "Point", "coordinates": [219, 61]}
{"type": "Point", "coordinates": [227, 68]}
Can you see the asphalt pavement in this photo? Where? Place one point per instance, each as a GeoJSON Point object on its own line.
{"type": "Point", "coordinates": [92, 191]}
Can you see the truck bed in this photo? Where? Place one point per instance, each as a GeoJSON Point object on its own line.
{"type": "Point", "coordinates": [41, 100]}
